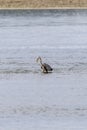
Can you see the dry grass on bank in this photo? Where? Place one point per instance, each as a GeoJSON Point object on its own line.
{"type": "Point", "coordinates": [42, 3]}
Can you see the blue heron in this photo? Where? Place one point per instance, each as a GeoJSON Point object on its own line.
{"type": "Point", "coordinates": [45, 67]}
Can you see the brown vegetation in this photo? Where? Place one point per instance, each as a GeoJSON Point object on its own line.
{"type": "Point", "coordinates": [42, 3]}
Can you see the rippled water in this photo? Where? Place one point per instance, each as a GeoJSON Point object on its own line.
{"type": "Point", "coordinates": [28, 98]}
{"type": "Point", "coordinates": [58, 36]}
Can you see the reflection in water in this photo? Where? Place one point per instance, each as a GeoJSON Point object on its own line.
{"type": "Point", "coordinates": [43, 111]}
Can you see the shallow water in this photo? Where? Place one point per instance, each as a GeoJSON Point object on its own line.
{"type": "Point", "coordinates": [30, 99]}
{"type": "Point", "coordinates": [58, 36]}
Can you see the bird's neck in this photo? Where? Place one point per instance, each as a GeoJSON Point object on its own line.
{"type": "Point", "coordinates": [40, 60]}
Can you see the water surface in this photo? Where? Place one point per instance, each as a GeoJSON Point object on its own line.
{"type": "Point", "coordinates": [30, 99]}
{"type": "Point", "coordinates": [58, 36]}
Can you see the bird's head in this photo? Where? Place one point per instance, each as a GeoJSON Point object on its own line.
{"type": "Point", "coordinates": [39, 60]}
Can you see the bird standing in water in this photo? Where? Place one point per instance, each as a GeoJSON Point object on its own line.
{"type": "Point", "coordinates": [45, 67]}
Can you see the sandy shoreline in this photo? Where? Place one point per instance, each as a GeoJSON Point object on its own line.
{"type": "Point", "coordinates": [42, 4]}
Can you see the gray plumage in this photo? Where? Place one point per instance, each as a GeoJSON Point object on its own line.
{"type": "Point", "coordinates": [45, 67]}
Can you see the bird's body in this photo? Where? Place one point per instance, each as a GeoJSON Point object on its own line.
{"type": "Point", "coordinates": [45, 67]}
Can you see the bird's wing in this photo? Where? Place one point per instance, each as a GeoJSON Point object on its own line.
{"type": "Point", "coordinates": [48, 67]}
